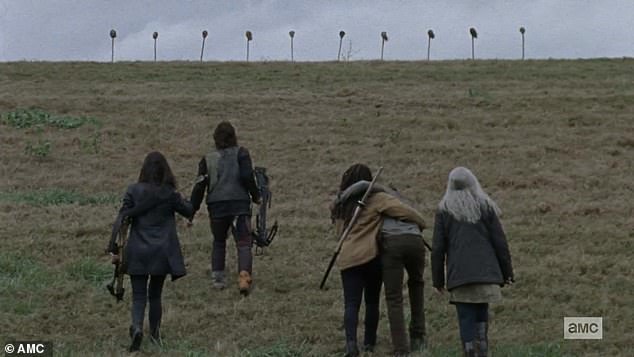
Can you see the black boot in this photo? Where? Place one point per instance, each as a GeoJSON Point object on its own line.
{"type": "Point", "coordinates": [469, 349]}
{"type": "Point", "coordinates": [417, 343]}
{"type": "Point", "coordinates": [155, 336]}
{"type": "Point", "coordinates": [369, 340]}
{"type": "Point", "coordinates": [136, 334]}
{"type": "Point", "coordinates": [482, 339]}
{"type": "Point", "coordinates": [352, 350]}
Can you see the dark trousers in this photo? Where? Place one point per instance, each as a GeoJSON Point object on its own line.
{"type": "Point", "coordinates": [399, 253]}
{"type": "Point", "coordinates": [242, 235]}
{"type": "Point", "coordinates": [362, 281]}
{"type": "Point", "coordinates": [141, 293]}
{"type": "Point", "coordinates": [469, 315]}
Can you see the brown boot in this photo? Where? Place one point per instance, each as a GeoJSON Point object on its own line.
{"type": "Point", "coordinates": [244, 282]}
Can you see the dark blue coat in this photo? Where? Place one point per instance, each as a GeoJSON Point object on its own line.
{"type": "Point", "coordinates": [474, 253]}
{"type": "Point", "coordinates": [153, 247]}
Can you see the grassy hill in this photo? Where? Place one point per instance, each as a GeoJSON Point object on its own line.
{"type": "Point", "coordinates": [551, 141]}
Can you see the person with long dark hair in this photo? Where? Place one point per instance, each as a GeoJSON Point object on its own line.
{"type": "Point", "coordinates": [469, 242]}
{"type": "Point", "coordinates": [153, 250]}
{"type": "Point", "coordinates": [359, 259]}
{"type": "Point", "coordinates": [226, 174]}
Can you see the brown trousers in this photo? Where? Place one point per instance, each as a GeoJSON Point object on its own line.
{"type": "Point", "coordinates": [404, 252]}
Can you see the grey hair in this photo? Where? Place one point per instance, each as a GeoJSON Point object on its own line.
{"type": "Point", "coordinates": [464, 199]}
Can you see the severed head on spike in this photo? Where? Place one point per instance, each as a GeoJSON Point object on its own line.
{"type": "Point", "coordinates": [473, 32]}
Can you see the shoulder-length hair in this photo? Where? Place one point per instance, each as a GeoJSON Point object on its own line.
{"type": "Point", "coordinates": [354, 174]}
{"type": "Point", "coordinates": [225, 136]}
{"type": "Point", "coordinates": [464, 199]}
{"type": "Point", "coordinates": [156, 170]}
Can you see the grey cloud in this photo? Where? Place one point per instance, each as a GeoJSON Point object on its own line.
{"type": "Point", "coordinates": [78, 30]}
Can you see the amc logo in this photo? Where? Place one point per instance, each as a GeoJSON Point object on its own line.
{"type": "Point", "coordinates": [583, 328]}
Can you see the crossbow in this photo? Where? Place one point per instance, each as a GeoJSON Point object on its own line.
{"type": "Point", "coordinates": [261, 237]}
{"type": "Point", "coordinates": [117, 246]}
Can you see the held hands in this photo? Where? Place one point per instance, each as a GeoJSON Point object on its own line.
{"type": "Point", "coordinates": [115, 258]}
{"type": "Point", "coordinates": [189, 222]}
{"type": "Point", "coordinates": [439, 291]}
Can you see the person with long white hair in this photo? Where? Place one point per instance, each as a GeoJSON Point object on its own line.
{"type": "Point", "coordinates": [470, 243]}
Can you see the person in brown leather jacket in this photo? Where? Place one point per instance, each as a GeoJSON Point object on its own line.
{"type": "Point", "coordinates": [359, 259]}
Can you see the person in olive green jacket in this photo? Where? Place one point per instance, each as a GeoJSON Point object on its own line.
{"type": "Point", "coordinates": [359, 259]}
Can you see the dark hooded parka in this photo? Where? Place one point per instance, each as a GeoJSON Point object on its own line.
{"type": "Point", "coordinates": [153, 247]}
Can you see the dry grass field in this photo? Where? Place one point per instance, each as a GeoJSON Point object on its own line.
{"type": "Point", "coordinates": [551, 141]}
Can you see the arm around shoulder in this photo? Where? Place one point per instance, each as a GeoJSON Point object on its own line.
{"type": "Point", "coordinates": [395, 208]}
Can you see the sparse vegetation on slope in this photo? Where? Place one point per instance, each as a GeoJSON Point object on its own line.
{"type": "Point", "coordinates": [551, 142]}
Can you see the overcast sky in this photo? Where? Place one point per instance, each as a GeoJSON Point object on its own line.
{"type": "Point", "coordinates": [79, 29]}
